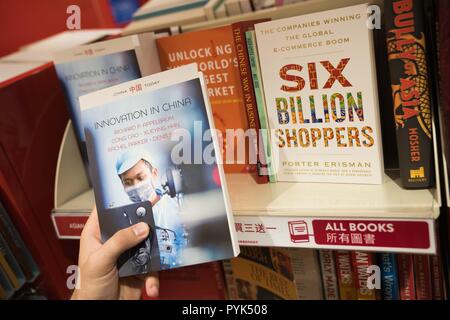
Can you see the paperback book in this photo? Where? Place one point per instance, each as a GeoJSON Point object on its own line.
{"type": "Point", "coordinates": [153, 157]}
{"type": "Point", "coordinates": [92, 67]}
{"type": "Point", "coordinates": [320, 89]}
{"type": "Point", "coordinates": [214, 52]}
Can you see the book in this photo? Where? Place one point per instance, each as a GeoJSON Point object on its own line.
{"type": "Point", "coordinates": [389, 276]}
{"type": "Point", "coordinates": [9, 264]}
{"type": "Point", "coordinates": [345, 275]}
{"type": "Point", "coordinates": [233, 7]}
{"type": "Point", "coordinates": [257, 159]}
{"type": "Point", "coordinates": [17, 246]}
{"type": "Point", "coordinates": [200, 282]}
{"type": "Point", "coordinates": [437, 278]}
{"type": "Point", "coordinates": [153, 157]}
{"type": "Point", "coordinates": [264, 136]}
{"type": "Point", "coordinates": [361, 262]}
{"type": "Point", "coordinates": [261, 273]}
{"type": "Point", "coordinates": [213, 9]}
{"type": "Point", "coordinates": [406, 277]}
{"type": "Point", "coordinates": [155, 8]}
{"type": "Point", "coordinates": [323, 111]}
{"type": "Point", "coordinates": [306, 269]}
{"type": "Point", "coordinates": [6, 288]}
{"type": "Point", "coordinates": [422, 277]}
{"type": "Point", "coordinates": [214, 52]}
{"type": "Point", "coordinates": [411, 101]}
{"type": "Point", "coordinates": [92, 67]}
{"type": "Point", "coordinates": [329, 278]}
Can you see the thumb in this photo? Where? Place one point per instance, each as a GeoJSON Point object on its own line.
{"type": "Point", "coordinates": [120, 242]}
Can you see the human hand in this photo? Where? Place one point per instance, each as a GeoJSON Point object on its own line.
{"type": "Point", "coordinates": [98, 274]}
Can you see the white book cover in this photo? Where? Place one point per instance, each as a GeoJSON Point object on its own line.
{"type": "Point", "coordinates": [92, 67]}
{"type": "Point", "coordinates": [321, 94]}
{"type": "Point", "coordinates": [153, 158]}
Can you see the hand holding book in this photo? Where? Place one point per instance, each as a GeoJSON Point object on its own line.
{"type": "Point", "coordinates": [98, 274]}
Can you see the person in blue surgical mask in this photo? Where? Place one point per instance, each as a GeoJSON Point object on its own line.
{"type": "Point", "coordinates": [140, 179]}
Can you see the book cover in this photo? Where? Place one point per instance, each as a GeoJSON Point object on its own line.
{"type": "Point", "coordinates": [410, 87]}
{"type": "Point", "coordinates": [214, 52]}
{"type": "Point", "coordinates": [422, 277]}
{"type": "Point", "coordinates": [17, 246]}
{"type": "Point", "coordinates": [323, 110]}
{"type": "Point", "coordinates": [261, 273]}
{"type": "Point", "coordinates": [345, 275]}
{"type": "Point", "coordinates": [406, 277]}
{"type": "Point", "coordinates": [153, 158]}
{"type": "Point", "coordinates": [361, 262]}
{"type": "Point", "coordinates": [306, 269]}
{"type": "Point", "coordinates": [265, 146]}
{"type": "Point", "coordinates": [258, 165]}
{"type": "Point", "coordinates": [200, 282]}
{"type": "Point", "coordinates": [329, 278]}
{"type": "Point", "coordinates": [389, 276]}
{"type": "Point", "coordinates": [92, 67]}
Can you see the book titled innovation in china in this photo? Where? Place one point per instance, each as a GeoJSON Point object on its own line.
{"type": "Point", "coordinates": [92, 67]}
{"type": "Point", "coordinates": [154, 157]}
{"type": "Point", "coordinates": [321, 98]}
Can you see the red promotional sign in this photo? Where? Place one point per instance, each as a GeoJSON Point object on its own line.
{"type": "Point", "coordinates": [372, 233]}
{"type": "Point", "coordinates": [69, 226]}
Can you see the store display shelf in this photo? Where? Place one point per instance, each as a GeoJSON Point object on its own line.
{"type": "Point", "coordinates": [310, 215]}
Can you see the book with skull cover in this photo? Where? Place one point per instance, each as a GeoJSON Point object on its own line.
{"type": "Point", "coordinates": [320, 88]}
{"type": "Point", "coordinates": [407, 56]}
{"type": "Point", "coordinates": [153, 157]}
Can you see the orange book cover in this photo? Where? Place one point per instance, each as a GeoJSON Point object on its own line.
{"type": "Point", "coordinates": [214, 52]}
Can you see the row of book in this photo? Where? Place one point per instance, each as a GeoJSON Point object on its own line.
{"type": "Point", "coordinates": [17, 266]}
{"type": "Point", "coordinates": [316, 119]}
{"type": "Point", "coordinates": [262, 273]}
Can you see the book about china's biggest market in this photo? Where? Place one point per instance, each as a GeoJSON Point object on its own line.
{"type": "Point", "coordinates": [96, 66]}
{"type": "Point", "coordinates": [319, 79]}
{"type": "Point", "coordinates": [153, 157]}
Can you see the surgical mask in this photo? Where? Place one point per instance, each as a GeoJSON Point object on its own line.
{"type": "Point", "coordinates": [141, 191]}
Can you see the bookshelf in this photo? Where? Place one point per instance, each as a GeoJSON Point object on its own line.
{"type": "Point", "coordinates": [285, 214]}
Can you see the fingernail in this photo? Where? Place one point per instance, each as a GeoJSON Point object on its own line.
{"type": "Point", "coordinates": [140, 229]}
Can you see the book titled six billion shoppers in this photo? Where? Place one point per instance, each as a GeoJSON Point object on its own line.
{"type": "Point", "coordinates": [320, 89]}
{"type": "Point", "coordinates": [154, 157]}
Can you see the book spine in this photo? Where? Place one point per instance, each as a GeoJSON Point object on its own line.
{"type": "Point", "coordinates": [389, 276]}
{"type": "Point", "coordinates": [361, 261]}
{"type": "Point", "coordinates": [264, 144]}
{"type": "Point", "coordinates": [406, 277]}
{"type": "Point", "coordinates": [437, 278]}
{"type": "Point", "coordinates": [422, 277]}
{"type": "Point", "coordinates": [230, 280]}
{"type": "Point", "coordinates": [410, 91]}
{"type": "Point", "coordinates": [329, 279]}
{"type": "Point", "coordinates": [220, 280]}
{"type": "Point", "coordinates": [344, 271]}
{"type": "Point", "coordinates": [17, 246]}
{"type": "Point", "coordinates": [249, 102]}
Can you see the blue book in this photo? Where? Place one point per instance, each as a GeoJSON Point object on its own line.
{"type": "Point", "coordinates": [154, 157]}
{"type": "Point", "coordinates": [92, 67]}
{"type": "Point", "coordinates": [389, 276]}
